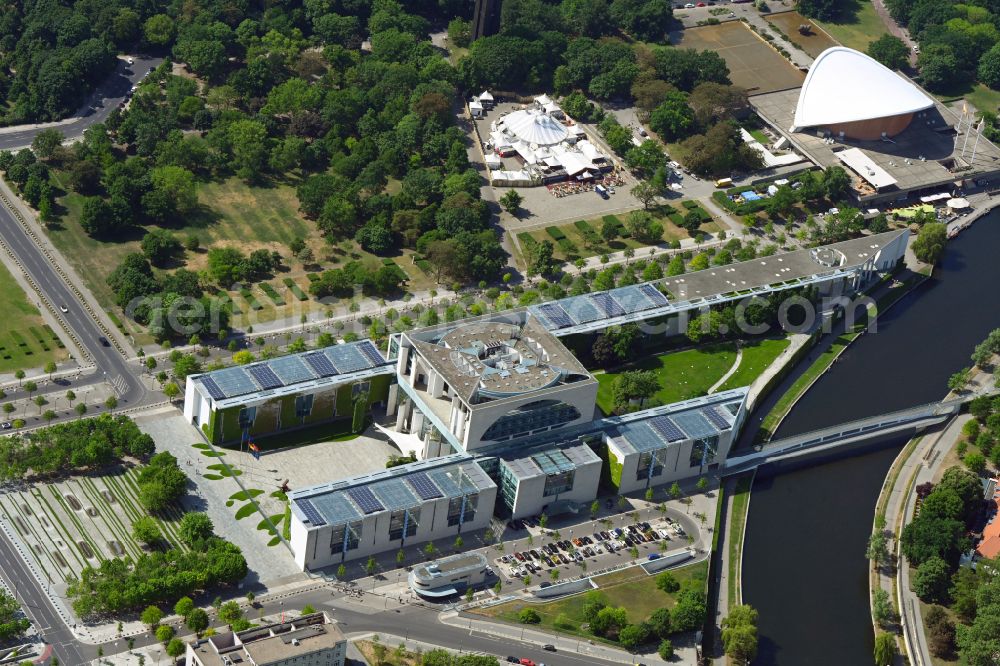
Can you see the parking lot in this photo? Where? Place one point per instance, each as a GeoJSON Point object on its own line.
{"type": "Point", "coordinates": [598, 548]}
{"type": "Point", "coordinates": [753, 64]}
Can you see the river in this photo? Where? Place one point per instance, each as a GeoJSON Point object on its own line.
{"type": "Point", "coordinates": [804, 565]}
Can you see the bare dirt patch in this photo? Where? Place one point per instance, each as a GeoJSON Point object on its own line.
{"type": "Point", "coordinates": [813, 43]}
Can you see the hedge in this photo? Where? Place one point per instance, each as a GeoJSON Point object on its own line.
{"type": "Point", "coordinates": [272, 293]}
{"type": "Point", "coordinates": [689, 204]}
{"type": "Point", "coordinates": [583, 226]}
{"type": "Point", "coordinates": [556, 233]}
{"type": "Point", "coordinates": [250, 299]}
{"type": "Point", "coordinates": [295, 289]}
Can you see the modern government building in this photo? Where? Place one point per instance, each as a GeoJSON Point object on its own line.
{"type": "Point", "coordinates": [499, 412]}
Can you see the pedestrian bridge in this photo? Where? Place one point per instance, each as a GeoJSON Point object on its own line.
{"type": "Point", "coordinates": [845, 435]}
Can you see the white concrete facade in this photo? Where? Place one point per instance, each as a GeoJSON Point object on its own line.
{"type": "Point", "coordinates": [330, 524]}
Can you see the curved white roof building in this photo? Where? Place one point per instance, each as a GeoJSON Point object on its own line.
{"type": "Point", "coordinates": [847, 91]}
{"type": "Point", "coordinates": [537, 127]}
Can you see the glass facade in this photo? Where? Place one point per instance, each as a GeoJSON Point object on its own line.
{"type": "Point", "coordinates": [403, 523]}
{"type": "Point", "coordinates": [247, 416]}
{"type": "Point", "coordinates": [303, 405]}
{"type": "Point", "coordinates": [560, 482]}
{"type": "Point", "coordinates": [345, 537]}
{"type": "Point", "coordinates": [703, 451]}
{"type": "Point", "coordinates": [508, 487]}
{"type": "Point", "coordinates": [530, 418]}
{"type": "Point", "coordinates": [462, 509]}
{"type": "Point", "coordinates": [650, 464]}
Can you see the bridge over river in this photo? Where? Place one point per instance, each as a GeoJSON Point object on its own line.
{"type": "Point", "coordinates": [851, 434]}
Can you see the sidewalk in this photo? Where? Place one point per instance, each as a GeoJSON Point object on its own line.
{"type": "Point", "coordinates": [921, 465]}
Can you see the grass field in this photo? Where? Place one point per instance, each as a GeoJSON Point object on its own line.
{"type": "Point", "coordinates": [631, 588]}
{"type": "Point", "coordinates": [982, 97]}
{"type": "Point", "coordinates": [860, 27]}
{"type": "Point", "coordinates": [738, 518]}
{"type": "Point", "coordinates": [683, 375]}
{"type": "Point", "coordinates": [231, 214]}
{"type": "Point", "coordinates": [671, 232]}
{"type": "Point", "coordinates": [757, 356]}
{"type": "Point", "coordinates": [752, 63]}
{"type": "Point", "coordinates": [25, 340]}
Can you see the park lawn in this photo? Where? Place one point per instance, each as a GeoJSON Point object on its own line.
{"type": "Point", "coordinates": [757, 357]}
{"type": "Point", "coordinates": [978, 95]}
{"type": "Point", "coordinates": [683, 374]}
{"type": "Point", "coordinates": [232, 214]}
{"type": "Point", "coordinates": [637, 593]}
{"type": "Point", "coordinates": [760, 136]}
{"type": "Point", "coordinates": [857, 34]}
{"type": "Point", "coordinates": [25, 340]}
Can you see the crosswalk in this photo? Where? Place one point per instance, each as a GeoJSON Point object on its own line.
{"type": "Point", "coordinates": [119, 384]}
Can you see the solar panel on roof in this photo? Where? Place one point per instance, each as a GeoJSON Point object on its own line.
{"type": "Point", "coordinates": [695, 425]}
{"type": "Point", "coordinates": [320, 364]}
{"type": "Point", "coordinates": [264, 376]}
{"type": "Point", "coordinates": [631, 299]}
{"type": "Point", "coordinates": [212, 388]}
{"type": "Point", "coordinates": [581, 310]}
{"type": "Point", "coordinates": [312, 515]}
{"type": "Point", "coordinates": [291, 369]}
{"type": "Point", "coordinates": [365, 499]}
{"type": "Point", "coordinates": [556, 315]}
{"type": "Point", "coordinates": [423, 486]}
{"type": "Point", "coordinates": [608, 304]}
{"type": "Point", "coordinates": [716, 418]}
{"type": "Point", "coordinates": [667, 429]}
{"type": "Point", "coordinates": [653, 294]}
{"type": "Point", "coordinates": [234, 381]}
{"type": "Point", "coordinates": [346, 358]}
{"type": "Point", "coordinates": [369, 351]}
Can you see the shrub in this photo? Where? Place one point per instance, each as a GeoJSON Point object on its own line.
{"type": "Point", "coordinates": [529, 616]}
{"type": "Point", "coordinates": [556, 233]}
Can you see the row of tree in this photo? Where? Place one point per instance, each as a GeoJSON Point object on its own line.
{"type": "Point", "coordinates": [73, 447]}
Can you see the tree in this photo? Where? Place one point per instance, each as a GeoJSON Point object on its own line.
{"type": "Point", "coordinates": [146, 530]}
{"type": "Point", "coordinates": [940, 631]}
{"type": "Point", "coordinates": [111, 402]}
{"type": "Point", "coordinates": [673, 119]}
{"type": "Point", "coordinates": [529, 616]}
{"type": "Point", "coordinates": [989, 67]}
{"type": "Point", "coordinates": [878, 550]}
{"type": "Point", "coordinates": [197, 620]}
{"type": "Point", "coordinates": [665, 650]}
{"type": "Point", "coordinates": [659, 622]}
{"type": "Point", "coordinates": [824, 10]}
{"type": "Point", "coordinates": [195, 527]}
{"type": "Point", "coordinates": [230, 612]}
{"type": "Point", "coordinates": [702, 484]}
{"type": "Point", "coordinates": [939, 66]}
{"type": "Point", "coordinates": [176, 647]}
{"type": "Point", "coordinates": [891, 51]}
{"type": "Point", "coordinates": [511, 201]}
{"type": "Point", "coordinates": [836, 183]}
{"type": "Point", "coordinates": [959, 380]}
{"type": "Point", "coordinates": [184, 606]}
{"type": "Point", "coordinates": [159, 246]}
{"type": "Point", "coordinates": [171, 390]}
{"type": "Point", "coordinates": [540, 257]}
{"type": "Point", "coordinates": [151, 617]}
{"type": "Point", "coordinates": [882, 607]}
{"type": "Point", "coordinates": [96, 217]}
{"type": "Point", "coordinates": [633, 635]}
{"type": "Point", "coordinates": [739, 633]}
{"type": "Point", "coordinates": [885, 649]}
{"type": "Point", "coordinates": [248, 141]}
{"type": "Point", "coordinates": [675, 491]}
{"type": "Point", "coordinates": [341, 572]}
{"type": "Point", "coordinates": [646, 192]}
{"type": "Point", "coordinates": [46, 142]}
{"type": "Point", "coordinates": [930, 242]}
{"type": "Point", "coordinates": [667, 583]}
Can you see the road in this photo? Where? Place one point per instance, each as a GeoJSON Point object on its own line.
{"type": "Point", "coordinates": [38, 607]}
{"type": "Point", "coordinates": [103, 100]}
{"type": "Point", "coordinates": [109, 361]}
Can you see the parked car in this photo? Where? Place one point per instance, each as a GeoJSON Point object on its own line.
{"type": "Point", "coordinates": [527, 662]}
{"type": "Point", "coordinates": [513, 660]}
{"type": "Point", "coordinates": [653, 556]}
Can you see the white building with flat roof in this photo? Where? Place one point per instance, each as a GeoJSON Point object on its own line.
{"type": "Point", "coordinates": [450, 575]}
{"type": "Point", "coordinates": [480, 382]}
{"type": "Point", "coordinates": [308, 640]}
{"type": "Point", "coordinates": [389, 509]}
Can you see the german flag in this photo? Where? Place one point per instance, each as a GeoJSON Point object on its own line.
{"type": "Point", "coordinates": [254, 451]}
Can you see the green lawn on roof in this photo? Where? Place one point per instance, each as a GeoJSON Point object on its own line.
{"type": "Point", "coordinates": [683, 374]}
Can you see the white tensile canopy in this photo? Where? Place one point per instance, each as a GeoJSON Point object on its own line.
{"type": "Point", "coordinates": [844, 85]}
{"type": "Point", "coordinates": [958, 203]}
{"type": "Point", "coordinates": [535, 127]}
